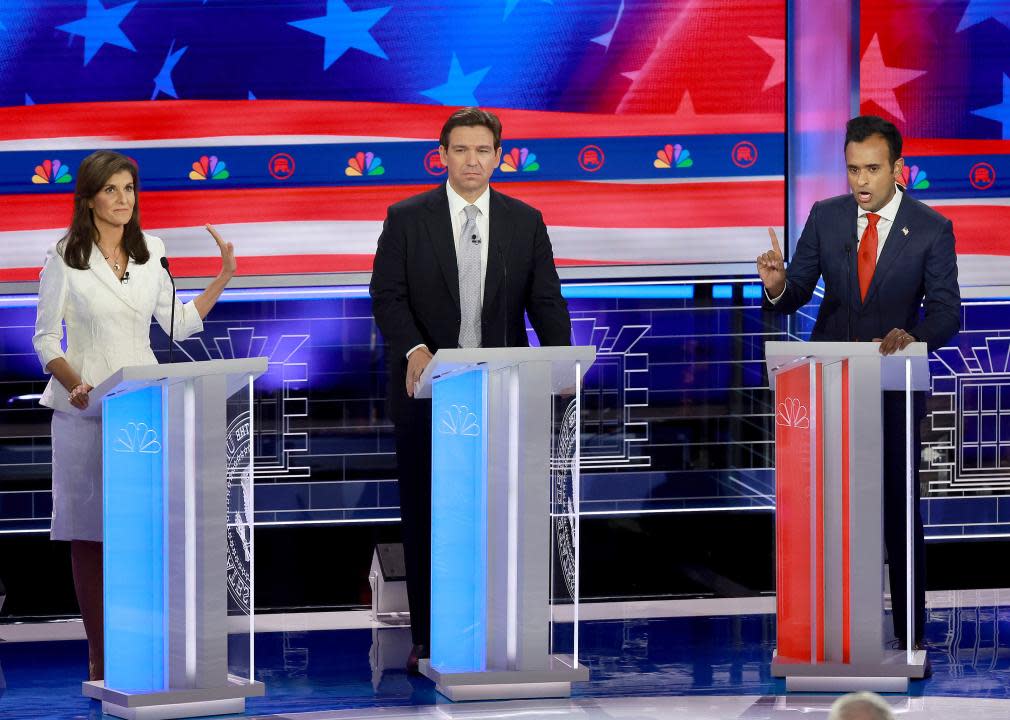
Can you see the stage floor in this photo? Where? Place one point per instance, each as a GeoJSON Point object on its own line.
{"type": "Point", "coordinates": [704, 660]}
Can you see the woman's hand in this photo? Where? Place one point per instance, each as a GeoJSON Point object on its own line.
{"type": "Point", "coordinates": [228, 263]}
{"type": "Point", "coordinates": [79, 396]}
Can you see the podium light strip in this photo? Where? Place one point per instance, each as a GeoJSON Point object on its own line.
{"type": "Point", "coordinates": [576, 496]}
{"type": "Point", "coordinates": [189, 483]}
{"type": "Point", "coordinates": [512, 599]}
{"type": "Point", "coordinates": [846, 519]}
{"type": "Point", "coordinates": [250, 512]}
{"type": "Point", "coordinates": [816, 589]}
{"type": "Point", "coordinates": [909, 560]}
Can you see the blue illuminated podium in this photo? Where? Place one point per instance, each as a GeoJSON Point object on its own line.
{"type": "Point", "coordinates": [504, 521]}
{"type": "Point", "coordinates": [177, 524]}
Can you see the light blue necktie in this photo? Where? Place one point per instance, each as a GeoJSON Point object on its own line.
{"type": "Point", "coordinates": [468, 258]}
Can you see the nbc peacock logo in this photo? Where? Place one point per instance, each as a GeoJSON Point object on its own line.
{"type": "Point", "coordinates": [364, 163]}
{"type": "Point", "coordinates": [209, 168]}
{"type": "Point", "coordinates": [519, 160]}
{"type": "Point", "coordinates": [673, 156]}
{"type": "Point", "coordinates": [913, 178]}
{"type": "Point", "coordinates": [51, 171]}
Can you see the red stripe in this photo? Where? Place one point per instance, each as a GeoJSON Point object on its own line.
{"type": "Point", "coordinates": [979, 229]}
{"type": "Point", "coordinates": [569, 203]}
{"type": "Point", "coordinates": [923, 147]}
{"type": "Point", "coordinates": [846, 565]}
{"type": "Point", "coordinates": [217, 118]}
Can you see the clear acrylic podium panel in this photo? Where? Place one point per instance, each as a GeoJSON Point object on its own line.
{"type": "Point", "coordinates": [239, 453]}
{"type": "Point", "coordinates": [841, 623]}
{"type": "Point", "coordinates": [154, 621]}
{"type": "Point", "coordinates": [488, 575]}
{"type": "Point", "coordinates": [566, 443]}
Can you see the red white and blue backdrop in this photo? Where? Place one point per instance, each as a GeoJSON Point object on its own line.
{"type": "Point", "coordinates": [649, 132]}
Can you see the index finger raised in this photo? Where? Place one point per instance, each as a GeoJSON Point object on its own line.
{"type": "Point", "coordinates": [775, 240]}
{"type": "Point", "coordinates": [215, 235]}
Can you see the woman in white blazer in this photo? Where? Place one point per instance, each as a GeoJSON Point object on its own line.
{"type": "Point", "coordinates": [104, 280]}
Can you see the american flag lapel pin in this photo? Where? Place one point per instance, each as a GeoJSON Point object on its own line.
{"type": "Point", "coordinates": [905, 231]}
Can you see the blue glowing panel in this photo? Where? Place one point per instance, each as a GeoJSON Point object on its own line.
{"type": "Point", "coordinates": [459, 523]}
{"type": "Point", "coordinates": [134, 547]}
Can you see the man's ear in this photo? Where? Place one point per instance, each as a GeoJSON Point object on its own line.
{"type": "Point", "coordinates": [899, 165]}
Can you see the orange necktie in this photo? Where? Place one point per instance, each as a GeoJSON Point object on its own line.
{"type": "Point", "coordinates": [867, 257]}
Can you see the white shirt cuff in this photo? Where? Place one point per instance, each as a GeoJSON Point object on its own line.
{"type": "Point", "coordinates": [778, 297]}
{"type": "Point", "coordinates": [422, 345]}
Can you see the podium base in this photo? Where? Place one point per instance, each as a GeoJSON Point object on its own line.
{"type": "Point", "coordinates": [554, 682]}
{"type": "Point", "coordinates": [171, 704]}
{"type": "Point", "coordinates": [890, 674]}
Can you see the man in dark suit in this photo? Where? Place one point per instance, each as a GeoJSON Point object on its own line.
{"type": "Point", "coordinates": [457, 266]}
{"type": "Point", "coordinates": [884, 257]}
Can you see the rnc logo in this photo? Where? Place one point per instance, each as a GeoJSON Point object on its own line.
{"type": "Point", "coordinates": [982, 176]}
{"type": "Point", "coordinates": [433, 163]}
{"type": "Point", "coordinates": [591, 158]}
{"type": "Point", "coordinates": [281, 166]}
{"type": "Point", "coordinates": [745, 154]}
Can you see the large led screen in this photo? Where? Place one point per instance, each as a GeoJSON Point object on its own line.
{"type": "Point", "coordinates": [649, 133]}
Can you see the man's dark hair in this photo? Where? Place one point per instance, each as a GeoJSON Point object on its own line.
{"type": "Point", "coordinates": [862, 127]}
{"type": "Point", "coordinates": [471, 117]}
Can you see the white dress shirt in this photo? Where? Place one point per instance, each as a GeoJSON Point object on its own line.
{"type": "Point", "coordinates": [887, 215]}
{"type": "Point", "coordinates": [457, 214]}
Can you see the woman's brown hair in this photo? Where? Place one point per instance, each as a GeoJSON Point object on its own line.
{"type": "Point", "coordinates": [92, 176]}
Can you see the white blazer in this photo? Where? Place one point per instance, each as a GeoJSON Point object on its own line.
{"type": "Point", "coordinates": [108, 322]}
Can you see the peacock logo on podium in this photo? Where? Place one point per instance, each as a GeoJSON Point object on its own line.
{"type": "Point", "coordinates": [792, 413]}
{"type": "Point", "coordinates": [458, 420]}
{"type": "Point", "coordinates": [137, 438]}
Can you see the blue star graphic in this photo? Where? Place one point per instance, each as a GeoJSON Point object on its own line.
{"type": "Point", "coordinates": [163, 80]}
{"type": "Point", "coordinates": [28, 99]}
{"type": "Point", "coordinates": [981, 10]}
{"type": "Point", "coordinates": [100, 26]}
{"type": "Point", "coordinates": [343, 29]}
{"type": "Point", "coordinates": [510, 5]}
{"type": "Point", "coordinates": [1000, 113]}
{"type": "Point", "coordinates": [458, 88]}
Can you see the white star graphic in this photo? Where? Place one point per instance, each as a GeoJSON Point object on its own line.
{"type": "Point", "coordinates": [877, 80]}
{"type": "Point", "coordinates": [777, 49]}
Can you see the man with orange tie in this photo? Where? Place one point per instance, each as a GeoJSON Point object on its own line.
{"type": "Point", "coordinates": [890, 275]}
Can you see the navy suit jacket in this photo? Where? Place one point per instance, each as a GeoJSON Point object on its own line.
{"type": "Point", "coordinates": [415, 281]}
{"type": "Point", "coordinates": [914, 285]}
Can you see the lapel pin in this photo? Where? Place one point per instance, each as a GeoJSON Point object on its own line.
{"type": "Point", "coordinates": [905, 231]}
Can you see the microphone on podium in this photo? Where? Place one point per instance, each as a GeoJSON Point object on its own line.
{"type": "Point", "coordinates": [171, 324]}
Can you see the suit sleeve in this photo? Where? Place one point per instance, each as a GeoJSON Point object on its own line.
{"type": "Point", "coordinates": [389, 289]}
{"type": "Point", "coordinates": [547, 309]}
{"type": "Point", "coordinates": [803, 272]}
{"type": "Point", "coordinates": [52, 305]}
{"type": "Point", "coordinates": [942, 301]}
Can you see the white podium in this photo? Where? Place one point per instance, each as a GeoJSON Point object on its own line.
{"type": "Point", "coordinates": [504, 521]}
{"type": "Point", "coordinates": [177, 523]}
{"type": "Point", "coordinates": [829, 514]}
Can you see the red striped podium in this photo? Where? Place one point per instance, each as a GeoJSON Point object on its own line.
{"type": "Point", "coordinates": [829, 514]}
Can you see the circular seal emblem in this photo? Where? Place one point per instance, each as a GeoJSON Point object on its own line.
{"type": "Point", "coordinates": [433, 163]}
{"type": "Point", "coordinates": [238, 468]}
{"type": "Point", "coordinates": [281, 166]}
{"type": "Point", "coordinates": [591, 158]}
{"type": "Point", "coordinates": [982, 176]}
{"type": "Point", "coordinates": [744, 154]}
{"type": "Point", "coordinates": [565, 519]}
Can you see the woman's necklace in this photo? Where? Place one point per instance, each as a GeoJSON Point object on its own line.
{"type": "Point", "coordinates": [115, 261]}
